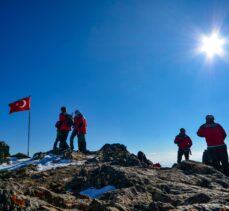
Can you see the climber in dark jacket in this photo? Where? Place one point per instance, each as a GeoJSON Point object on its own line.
{"type": "Point", "coordinates": [215, 135]}
{"type": "Point", "coordinates": [184, 143]}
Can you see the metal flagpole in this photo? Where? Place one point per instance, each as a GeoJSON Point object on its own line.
{"type": "Point", "coordinates": [28, 134]}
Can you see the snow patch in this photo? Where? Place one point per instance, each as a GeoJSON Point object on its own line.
{"type": "Point", "coordinates": [95, 193]}
{"type": "Point", "coordinates": [50, 161]}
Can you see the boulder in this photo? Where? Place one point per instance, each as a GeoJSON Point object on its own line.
{"type": "Point", "coordinates": [200, 198]}
{"type": "Point", "coordinates": [4, 150]}
{"type": "Point", "coordinates": [39, 155]}
{"type": "Point", "coordinates": [59, 200]}
{"type": "Point", "coordinates": [117, 154]}
{"type": "Point", "coordinates": [20, 156]}
{"type": "Point", "coordinates": [193, 167]}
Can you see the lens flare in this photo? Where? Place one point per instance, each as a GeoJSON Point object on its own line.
{"type": "Point", "coordinates": [212, 45]}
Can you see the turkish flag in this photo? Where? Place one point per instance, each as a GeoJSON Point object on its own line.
{"type": "Point", "coordinates": [20, 105]}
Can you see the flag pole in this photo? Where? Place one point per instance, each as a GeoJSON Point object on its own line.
{"type": "Point", "coordinates": [28, 134]}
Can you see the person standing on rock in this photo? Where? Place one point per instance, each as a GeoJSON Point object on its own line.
{"type": "Point", "coordinates": [184, 143]}
{"type": "Point", "coordinates": [80, 128]}
{"type": "Point", "coordinates": [65, 126]}
{"type": "Point", "coordinates": [215, 135]}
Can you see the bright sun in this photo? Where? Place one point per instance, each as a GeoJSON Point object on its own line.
{"type": "Point", "coordinates": [212, 45]}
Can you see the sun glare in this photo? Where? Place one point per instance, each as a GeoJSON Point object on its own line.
{"type": "Point", "coordinates": [212, 45]}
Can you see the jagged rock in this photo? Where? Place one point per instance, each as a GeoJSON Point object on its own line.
{"type": "Point", "coordinates": [92, 161]}
{"type": "Point", "coordinates": [99, 177]}
{"type": "Point", "coordinates": [174, 165]}
{"type": "Point", "coordinates": [204, 182]}
{"type": "Point", "coordinates": [187, 186]}
{"type": "Point", "coordinates": [59, 200]}
{"type": "Point", "coordinates": [113, 148]}
{"type": "Point", "coordinates": [200, 198]}
{"type": "Point", "coordinates": [222, 183]}
{"type": "Point", "coordinates": [72, 155]}
{"type": "Point", "coordinates": [20, 156]}
{"type": "Point", "coordinates": [4, 150]}
{"type": "Point", "coordinates": [144, 161]}
{"type": "Point", "coordinates": [39, 155]}
{"type": "Point", "coordinates": [117, 154]}
{"type": "Point", "coordinates": [192, 167]}
{"type": "Point", "coordinates": [48, 208]}
{"type": "Point", "coordinates": [96, 205]}
{"type": "Point", "coordinates": [159, 206]}
{"type": "Point", "coordinates": [110, 152]}
{"type": "Point", "coordinates": [132, 160]}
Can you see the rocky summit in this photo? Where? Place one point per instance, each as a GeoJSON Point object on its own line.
{"type": "Point", "coordinates": [110, 179]}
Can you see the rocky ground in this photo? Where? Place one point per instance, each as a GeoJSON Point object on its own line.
{"type": "Point", "coordinates": [188, 186]}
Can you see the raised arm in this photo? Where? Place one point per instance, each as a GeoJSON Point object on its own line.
{"type": "Point", "coordinates": [201, 131]}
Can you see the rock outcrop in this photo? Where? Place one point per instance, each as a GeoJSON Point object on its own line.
{"type": "Point", "coordinates": [4, 150]}
{"type": "Point", "coordinates": [187, 186]}
{"type": "Point", "coordinates": [20, 156]}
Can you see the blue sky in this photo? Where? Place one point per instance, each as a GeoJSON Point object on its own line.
{"type": "Point", "coordinates": [129, 66]}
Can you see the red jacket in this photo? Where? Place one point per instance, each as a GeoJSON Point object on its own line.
{"type": "Point", "coordinates": [80, 124]}
{"type": "Point", "coordinates": [214, 134]}
{"type": "Point", "coordinates": [62, 119]}
{"type": "Point", "coordinates": [184, 142]}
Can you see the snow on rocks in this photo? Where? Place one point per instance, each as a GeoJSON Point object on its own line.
{"type": "Point", "coordinates": [95, 193]}
{"type": "Point", "coordinates": [49, 161]}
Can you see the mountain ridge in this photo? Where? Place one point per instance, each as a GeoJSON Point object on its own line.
{"type": "Point", "coordinates": [189, 185]}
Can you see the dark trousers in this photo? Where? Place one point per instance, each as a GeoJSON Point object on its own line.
{"type": "Point", "coordinates": [219, 156]}
{"type": "Point", "coordinates": [57, 140]}
{"type": "Point", "coordinates": [55, 143]}
{"type": "Point", "coordinates": [81, 141]}
{"type": "Point", "coordinates": [182, 152]}
{"type": "Point", "coordinates": [206, 158]}
{"type": "Point", "coordinates": [63, 138]}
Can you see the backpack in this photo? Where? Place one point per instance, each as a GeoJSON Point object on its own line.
{"type": "Point", "coordinates": [69, 120]}
{"type": "Point", "coordinates": [58, 124]}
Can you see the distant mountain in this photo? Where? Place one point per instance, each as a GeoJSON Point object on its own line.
{"type": "Point", "coordinates": [110, 179]}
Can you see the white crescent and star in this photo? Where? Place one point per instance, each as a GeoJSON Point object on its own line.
{"type": "Point", "coordinates": [23, 105]}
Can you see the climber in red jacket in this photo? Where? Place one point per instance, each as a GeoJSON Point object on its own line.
{"type": "Point", "coordinates": [184, 143]}
{"type": "Point", "coordinates": [64, 126]}
{"type": "Point", "coordinates": [80, 129]}
{"type": "Point", "coordinates": [215, 135]}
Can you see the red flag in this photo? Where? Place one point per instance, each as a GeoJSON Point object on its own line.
{"type": "Point", "coordinates": [20, 105]}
